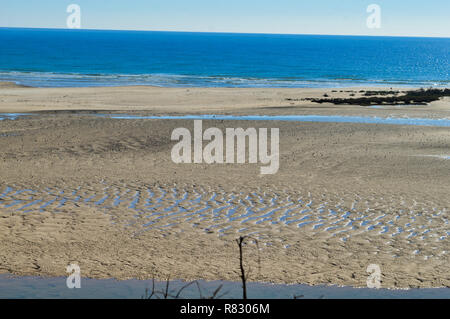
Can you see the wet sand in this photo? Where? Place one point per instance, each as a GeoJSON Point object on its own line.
{"type": "Point", "coordinates": [104, 193]}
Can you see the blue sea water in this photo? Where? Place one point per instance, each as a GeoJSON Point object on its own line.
{"type": "Point", "coordinates": [54, 58]}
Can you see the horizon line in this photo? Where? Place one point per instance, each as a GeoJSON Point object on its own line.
{"type": "Point", "coordinates": [231, 32]}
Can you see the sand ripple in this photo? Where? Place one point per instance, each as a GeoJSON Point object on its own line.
{"type": "Point", "coordinates": [423, 227]}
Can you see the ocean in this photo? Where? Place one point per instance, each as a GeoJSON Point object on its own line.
{"type": "Point", "coordinates": [74, 58]}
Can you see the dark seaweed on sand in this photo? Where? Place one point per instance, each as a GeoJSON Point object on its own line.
{"type": "Point", "coordinates": [413, 97]}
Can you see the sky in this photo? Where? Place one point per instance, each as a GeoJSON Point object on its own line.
{"type": "Point", "coordinates": [341, 17]}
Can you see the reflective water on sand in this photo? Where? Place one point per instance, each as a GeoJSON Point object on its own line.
{"type": "Point", "coordinates": [12, 116]}
{"type": "Point", "coordinates": [440, 122]}
{"type": "Point", "coordinates": [444, 122]}
{"type": "Point", "coordinates": [224, 213]}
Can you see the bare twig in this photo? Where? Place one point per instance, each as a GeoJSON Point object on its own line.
{"type": "Point", "coordinates": [199, 289]}
{"type": "Point", "coordinates": [241, 265]}
{"type": "Point", "coordinates": [166, 292]}
{"type": "Point", "coordinates": [216, 292]}
{"type": "Point", "coordinates": [241, 242]}
{"type": "Point", "coordinates": [182, 288]}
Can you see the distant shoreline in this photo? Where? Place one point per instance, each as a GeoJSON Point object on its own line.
{"type": "Point", "coordinates": [232, 33]}
{"type": "Point", "coordinates": [218, 100]}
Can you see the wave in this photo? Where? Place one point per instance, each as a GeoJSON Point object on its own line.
{"type": "Point", "coordinates": [52, 79]}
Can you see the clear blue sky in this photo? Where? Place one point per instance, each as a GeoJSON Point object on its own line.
{"type": "Point", "coordinates": [399, 17]}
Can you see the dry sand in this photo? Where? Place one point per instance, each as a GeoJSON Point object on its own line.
{"type": "Point", "coordinates": [105, 194]}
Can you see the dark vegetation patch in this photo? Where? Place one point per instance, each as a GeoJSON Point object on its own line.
{"type": "Point", "coordinates": [413, 97]}
{"type": "Point", "coordinates": [384, 93]}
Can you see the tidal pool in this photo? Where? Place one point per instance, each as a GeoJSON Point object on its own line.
{"type": "Point", "coordinates": [443, 122]}
{"type": "Point", "coordinates": [440, 122]}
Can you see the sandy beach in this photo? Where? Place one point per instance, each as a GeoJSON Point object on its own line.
{"type": "Point", "coordinates": [81, 188]}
